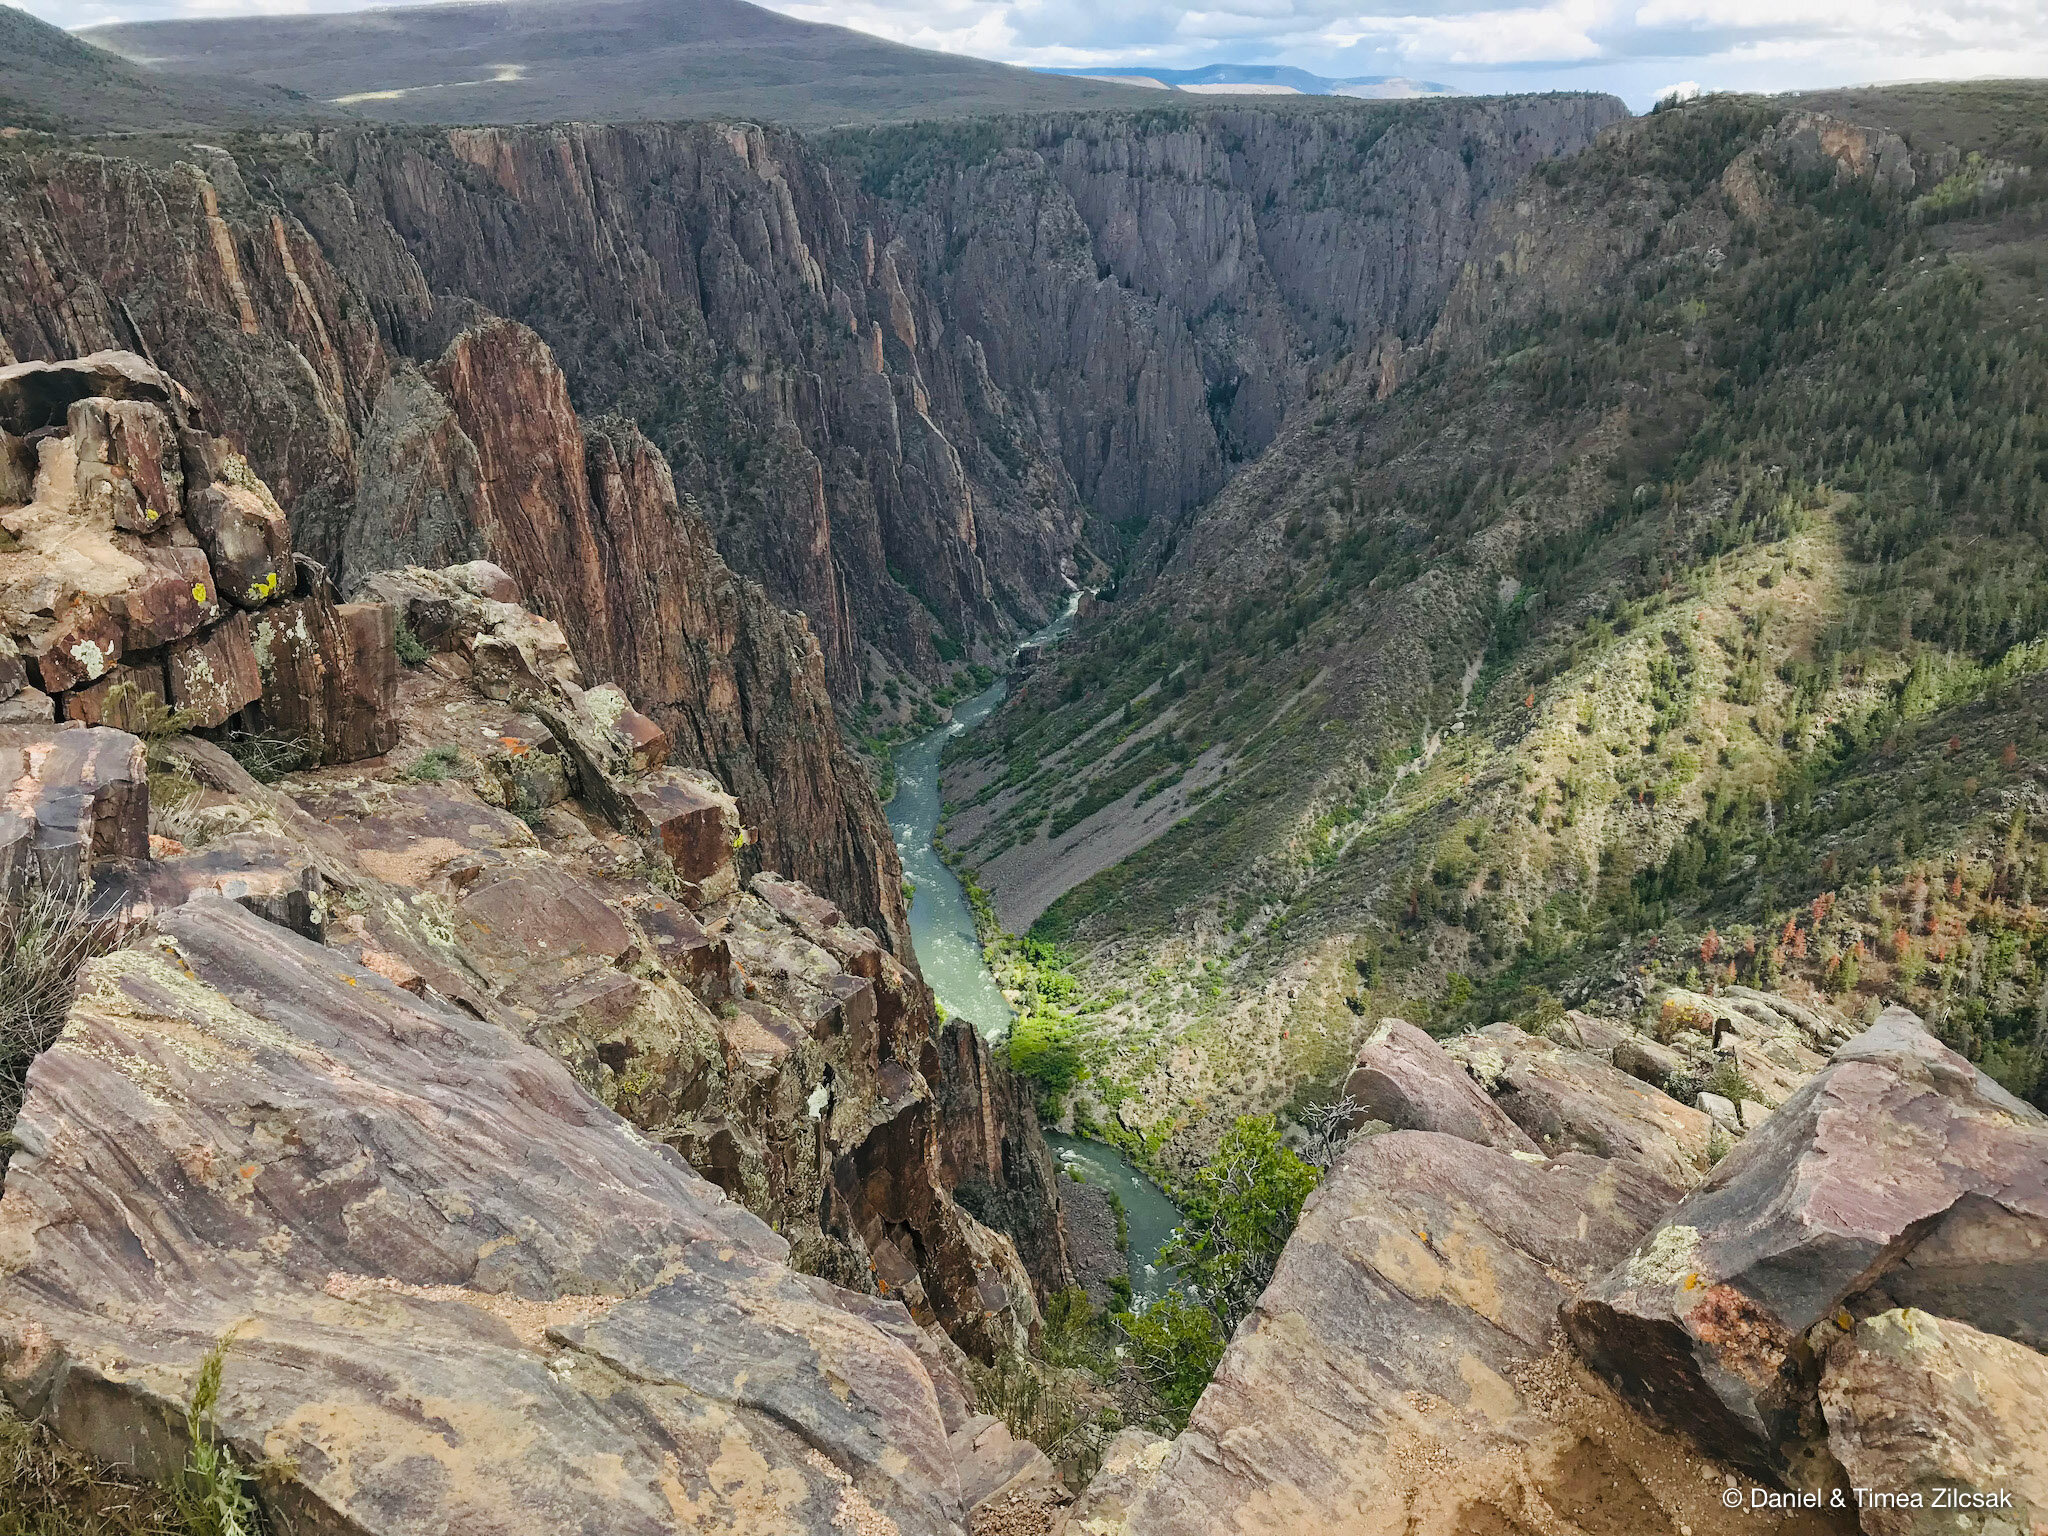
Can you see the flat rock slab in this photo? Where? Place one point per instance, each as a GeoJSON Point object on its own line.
{"type": "Point", "coordinates": [463, 1295]}
{"type": "Point", "coordinates": [1423, 1281]}
{"type": "Point", "coordinates": [1568, 1100]}
{"type": "Point", "coordinates": [1403, 1077]}
{"type": "Point", "coordinates": [1900, 1176]}
{"type": "Point", "coordinates": [1953, 1420]}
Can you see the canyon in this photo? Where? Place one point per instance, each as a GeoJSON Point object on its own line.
{"type": "Point", "coordinates": [1542, 740]}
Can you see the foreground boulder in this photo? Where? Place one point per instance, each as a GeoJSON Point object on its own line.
{"type": "Point", "coordinates": [1900, 1176]}
{"type": "Point", "coordinates": [1401, 1374]}
{"type": "Point", "coordinates": [1572, 1100]}
{"type": "Point", "coordinates": [459, 1294]}
{"type": "Point", "coordinates": [1404, 1078]}
{"type": "Point", "coordinates": [1945, 1421]}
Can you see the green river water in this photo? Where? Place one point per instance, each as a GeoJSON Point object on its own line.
{"type": "Point", "coordinates": [942, 927]}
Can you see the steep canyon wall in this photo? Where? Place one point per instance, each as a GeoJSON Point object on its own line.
{"type": "Point", "coordinates": [902, 379]}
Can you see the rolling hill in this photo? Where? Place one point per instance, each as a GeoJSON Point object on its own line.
{"type": "Point", "coordinates": [513, 61]}
{"type": "Point", "coordinates": [53, 82]}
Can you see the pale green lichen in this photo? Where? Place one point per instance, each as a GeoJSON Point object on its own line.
{"type": "Point", "coordinates": [606, 704]}
{"type": "Point", "coordinates": [90, 657]}
{"type": "Point", "coordinates": [1671, 1257]}
{"type": "Point", "coordinates": [1486, 1065]}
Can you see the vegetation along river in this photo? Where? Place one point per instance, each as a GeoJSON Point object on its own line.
{"type": "Point", "coordinates": [942, 927]}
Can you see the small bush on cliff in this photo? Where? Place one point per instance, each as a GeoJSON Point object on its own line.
{"type": "Point", "coordinates": [43, 942]}
{"type": "Point", "coordinates": [1239, 1210]}
{"type": "Point", "coordinates": [48, 1489]}
{"type": "Point", "coordinates": [1175, 1344]}
{"type": "Point", "coordinates": [410, 650]}
{"type": "Point", "coordinates": [434, 764]}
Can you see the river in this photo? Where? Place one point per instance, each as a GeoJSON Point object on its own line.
{"type": "Point", "coordinates": [942, 928]}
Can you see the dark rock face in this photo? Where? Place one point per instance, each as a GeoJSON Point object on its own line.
{"type": "Point", "coordinates": [1198, 267]}
{"type": "Point", "coordinates": [604, 1343]}
{"type": "Point", "coordinates": [889, 409]}
{"type": "Point", "coordinates": [1900, 1176]}
{"type": "Point", "coordinates": [330, 674]}
{"type": "Point", "coordinates": [995, 1157]}
{"type": "Point", "coordinates": [588, 526]}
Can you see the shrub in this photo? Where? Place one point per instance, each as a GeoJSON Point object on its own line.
{"type": "Point", "coordinates": [1239, 1211]}
{"type": "Point", "coordinates": [1175, 1344]}
{"type": "Point", "coordinates": [43, 942]}
{"type": "Point", "coordinates": [410, 651]}
{"type": "Point", "coordinates": [434, 764]}
{"type": "Point", "coordinates": [1728, 1081]}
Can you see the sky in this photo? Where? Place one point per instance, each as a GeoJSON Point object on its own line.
{"type": "Point", "coordinates": [1638, 49]}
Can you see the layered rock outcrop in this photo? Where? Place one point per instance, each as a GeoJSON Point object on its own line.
{"type": "Point", "coordinates": [147, 577]}
{"type": "Point", "coordinates": [1899, 1176]}
{"type": "Point", "coordinates": [280, 339]}
{"type": "Point", "coordinates": [1402, 1373]}
{"type": "Point", "coordinates": [748, 1023]}
{"type": "Point", "coordinates": [1462, 1339]}
{"type": "Point", "coordinates": [629, 1171]}
{"type": "Point", "coordinates": [454, 1292]}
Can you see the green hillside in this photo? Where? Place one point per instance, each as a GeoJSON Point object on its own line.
{"type": "Point", "coordinates": [1681, 614]}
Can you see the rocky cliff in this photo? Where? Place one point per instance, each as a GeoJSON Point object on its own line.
{"type": "Point", "coordinates": [480, 830]}
{"type": "Point", "coordinates": [375, 460]}
{"type": "Point", "coordinates": [891, 376]}
{"type": "Point", "coordinates": [1719, 1369]}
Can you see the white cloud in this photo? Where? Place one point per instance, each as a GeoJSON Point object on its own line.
{"type": "Point", "coordinates": [1627, 46]}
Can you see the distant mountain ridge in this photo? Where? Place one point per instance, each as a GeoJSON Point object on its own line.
{"type": "Point", "coordinates": [1262, 79]}
{"type": "Point", "coordinates": [54, 82]}
{"type": "Point", "coordinates": [530, 61]}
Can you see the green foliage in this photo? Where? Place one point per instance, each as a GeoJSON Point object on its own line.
{"type": "Point", "coordinates": [212, 1496]}
{"type": "Point", "coordinates": [410, 650]}
{"type": "Point", "coordinates": [1728, 1081]}
{"type": "Point", "coordinates": [434, 765]}
{"type": "Point", "coordinates": [44, 940]}
{"type": "Point", "coordinates": [1175, 1345]}
{"type": "Point", "coordinates": [1238, 1210]}
{"type": "Point", "coordinates": [1044, 1051]}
